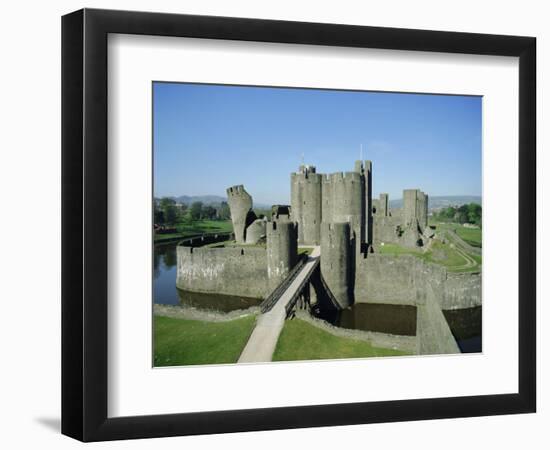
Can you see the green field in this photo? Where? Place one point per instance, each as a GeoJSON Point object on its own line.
{"type": "Point", "coordinates": [445, 254]}
{"type": "Point", "coordinates": [471, 235]}
{"type": "Point", "coordinates": [186, 229]}
{"type": "Point", "coordinates": [179, 342]}
{"type": "Point", "coordinates": [301, 341]}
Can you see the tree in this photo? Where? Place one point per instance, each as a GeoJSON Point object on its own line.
{"type": "Point", "coordinates": [158, 215]}
{"type": "Point", "coordinates": [449, 212]}
{"type": "Point", "coordinates": [474, 213]}
{"type": "Point", "coordinates": [169, 210]}
{"type": "Point", "coordinates": [461, 215]}
{"type": "Point", "coordinates": [208, 212]}
{"type": "Point", "coordinates": [195, 210]}
{"type": "Point", "coordinates": [224, 213]}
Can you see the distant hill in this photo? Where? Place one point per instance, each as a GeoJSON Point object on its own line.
{"type": "Point", "coordinates": [443, 201]}
{"type": "Point", "coordinates": [205, 199]}
{"type": "Point", "coordinates": [435, 202]}
{"type": "Point", "coordinates": [212, 200]}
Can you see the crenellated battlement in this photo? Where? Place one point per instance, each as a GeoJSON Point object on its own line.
{"type": "Point", "coordinates": [238, 189]}
{"type": "Point", "coordinates": [342, 177]}
{"type": "Point", "coordinates": [306, 178]}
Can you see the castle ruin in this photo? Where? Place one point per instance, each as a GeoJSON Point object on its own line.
{"type": "Point", "coordinates": [336, 214]}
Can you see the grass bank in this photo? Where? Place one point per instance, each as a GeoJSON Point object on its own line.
{"type": "Point", "coordinates": [180, 342]}
{"type": "Point", "coordinates": [185, 229]}
{"type": "Point", "coordinates": [301, 341]}
{"type": "Point", "coordinates": [471, 235]}
{"type": "Point", "coordinates": [445, 254]}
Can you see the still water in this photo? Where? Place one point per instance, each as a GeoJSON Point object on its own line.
{"type": "Point", "coordinates": [383, 318]}
{"type": "Point", "coordinates": [465, 325]}
{"type": "Point", "coordinates": [166, 293]}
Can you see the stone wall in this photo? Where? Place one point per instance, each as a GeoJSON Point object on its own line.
{"type": "Point", "coordinates": [256, 231]}
{"type": "Point", "coordinates": [231, 271]}
{"type": "Point", "coordinates": [406, 280]}
{"type": "Point", "coordinates": [463, 290]}
{"type": "Point", "coordinates": [433, 334]}
{"type": "Point", "coordinates": [385, 229]}
{"type": "Point", "coordinates": [385, 279]}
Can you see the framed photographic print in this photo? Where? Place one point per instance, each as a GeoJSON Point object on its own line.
{"type": "Point", "coordinates": [273, 224]}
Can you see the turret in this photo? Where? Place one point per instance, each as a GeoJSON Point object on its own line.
{"type": "Point", "coordinates": [415, 209]}
{"type": "Point", "coordinates": [305, 194]}
{"type": "Point", "coordinates": [336, 261]}
{"type": "Point", "coordinates": [282, 250]}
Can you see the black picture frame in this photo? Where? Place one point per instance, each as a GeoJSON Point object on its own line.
{"type": "Point", "coordinates": [84, 224]}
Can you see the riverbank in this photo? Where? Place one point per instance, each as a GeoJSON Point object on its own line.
{"type": "Point", "coordinates": [306, 338]}
{"type": "Point", "coordinates": [195, 228]}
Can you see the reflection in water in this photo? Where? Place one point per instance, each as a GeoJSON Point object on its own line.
{"type": "Point", "coordinates": [465, 325]}
{"type": "Point", "coordinates": [166, 293]}
{"type": "Point", "coordinates": [392, 319]}
{"type": "Point", "coordinates": [170, 257]}
{"type": "Point", "coordinates": [215, 302]}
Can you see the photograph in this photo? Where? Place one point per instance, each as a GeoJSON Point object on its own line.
{"type": "Point", "coordinates": [299, 224]}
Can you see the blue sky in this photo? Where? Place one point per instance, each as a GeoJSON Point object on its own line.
{"type": "Point", "coordinates": [207, 138]}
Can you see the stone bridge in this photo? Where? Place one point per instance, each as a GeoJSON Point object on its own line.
{"type": "Point", "coordinates": [275, 310]}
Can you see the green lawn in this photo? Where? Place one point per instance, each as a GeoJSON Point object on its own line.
{"type": "Point", "coordinates": [454, 259]}
{"type": "Point", "coordinates": [198, 227]}
{"type": "Point", "coordinates": [301, 341]}
{"type": "Point", "coordinates": [179, 342]}
{"type": "Point", "coordinates": [395, 249]}
{"type": "Point", "coordinates": [305, 250]}
{"type": "Point", "coordinates": [471, 235]}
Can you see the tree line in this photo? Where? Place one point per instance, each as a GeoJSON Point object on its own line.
{"type": "Point", "coordinates": [470, 213]}
{"type": "Point", "coordinates": [168, 212]}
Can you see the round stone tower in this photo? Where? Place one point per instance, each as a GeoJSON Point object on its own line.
{"type": "Point", "coordinates": [305, 194]}
{"type": "Point", "coordinates": [256, 231]}
{"type": "Point", "coordinates": [282, 250]}
{"type": "Point", "coordinates": [344, 201]}
{"type": "Point", "coordinates": [336, 261]}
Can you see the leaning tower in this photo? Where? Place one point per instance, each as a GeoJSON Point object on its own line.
{"type": "Point", "coordinates": [240, 205]}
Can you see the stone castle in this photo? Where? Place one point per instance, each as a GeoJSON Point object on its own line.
{"type": "Point", "coordinates": [336, 214]}
{"type": "Point", "coordinates": [334, 211]}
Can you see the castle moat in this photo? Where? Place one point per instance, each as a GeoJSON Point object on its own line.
{"type": "Point", "coordinates": [165, 291]}
{"type": "Point", "coordinates": [399, 320]}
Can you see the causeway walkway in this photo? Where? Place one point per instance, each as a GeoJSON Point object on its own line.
{"type": "Point", "coordinates": [264, 337]}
